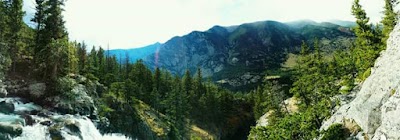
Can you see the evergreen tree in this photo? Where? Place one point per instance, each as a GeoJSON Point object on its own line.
{"type": "Point", "coordinates": [366, 46]}
{"type": "Point", "coordinates": [127, 64]}
{"type": "Point", "coordinates": [258, 108]}
{"type": "Point", "coordinates": [82, 55]}
{"type": "Point", "coordinates": [3, 27]}
{"type": "Point", "coordinates": [187, 82]}
{"type": "Point", "coordinates": [141, 75]}
{"type": "Point", "coordinates": [3, 22]}
{"type": "Point", "coordinates": [390, 19]}
{"type": "Point", "coordinates": [54, 27]}
{"type": "Point", "coordinates": [303, 75]}
{"type": "Point", "coordinates": [51, 36]}
{"type": "Point", "coordinates": [101, 63]}
{"type": "Point", "coordinates": [15, 23]}
{"type": "Point", "coordinates": [156, 89]}
{"type": "Point", "coordinates": [177, 102]}
{"type": "Point", "coordinates": [39, 20]}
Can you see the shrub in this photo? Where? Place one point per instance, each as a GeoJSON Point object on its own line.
{"type": "Point", "coordinates": [366, 74]}
{"type": "Point", "coordinates": [335, 132]}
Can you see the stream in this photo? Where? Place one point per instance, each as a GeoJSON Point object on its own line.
{"type": "Point", "coordinates": [20, 120]}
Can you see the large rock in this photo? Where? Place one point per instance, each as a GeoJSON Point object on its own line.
{"type": "Point", "coordinates": [37, 90]}
{"type": "Point", "coordinates": [376, 106]}
{"type": "Point", "coordinates": [74, 97]}
{"type": "Point", "coordinates": [76, 101]}
{"type": "Point", "coordinates": [6, 107]}
{"type": "Point", "coordinates": [10, 129]}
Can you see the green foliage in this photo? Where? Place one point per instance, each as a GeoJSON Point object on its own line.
{"type": "Point", "coordinates": [52, 47]}
{"type": "Point", "coordinates": [335, 132]}
{"type": "Point", "coordinates": [366, 74]}
{"type": "Point", "coordinates": [61, 59]}
{"type": "Point", "coordinates": [390, 18]}
{"type": "Point", "coordinates": [313, 79]}
{"type": "Point", "coordinates": [268, 98]}
{"type": "Point", "coordinates": [313, 87]}
{"type": "Point", "coordinates": [65, 84]}
{"type": "Point", "coordinates": [368, 43]}
{"type": "Point", "coordinates": [392, 92]}
{"type": "Point", "coordinates": [82, 57]}
{"type": "Point", "coordinates": [14, 34]}
{"type": "Point", "coordinates": [15, 24]}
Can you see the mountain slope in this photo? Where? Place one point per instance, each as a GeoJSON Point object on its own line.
{"type": "Point", "coordinates": [375, 107]}
{"type": "Point", "coordinates": [133, 54]}
{"type": "Point", "coordinates": [239, 55]}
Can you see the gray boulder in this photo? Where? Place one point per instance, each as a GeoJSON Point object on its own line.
{"type": "Point", "coordinates": [11, 129]}
{"type": "Point", "coordinates": [76, 101]}
{"type": "Point", "coordinates": [37, 90]}
{"type": "Point", "coordinates": [6, 107]}
{"type": "Point", "coordinates": [74, 97]}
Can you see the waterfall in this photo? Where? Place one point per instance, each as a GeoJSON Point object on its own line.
{"type": "Point", "coordinates": [69, 127]}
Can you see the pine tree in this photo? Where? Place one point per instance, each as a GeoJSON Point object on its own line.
{"type": "Point", "coordinates": [54, 27]}
{"type": "Point", "coordinates": [51, 39]}
{"type": "Point", "coordinates": [127, 64]}
{"type": "Point", "coordinates": [258, 108]}
{"type": "Point", "coordinates": [82, 55]}
{"type": "Point", "coordinates": [15, 23]}
{"type": "Point", "coordinates": [92, 68]}
{"type": "Point", "coordinates": [187, 82]}
{"type": "Point", "coordinates": [303, 75]}
{"type": "Point", "coordinates": [366, 46]}
{"type": "Point", "coordinates": [390, 19]}
{"type": "Point", "coordinates": [155, 94]}
{"type": "Point", "coordinates": [177, 110]}
{"type": "Point", "coordinates": [157, 78]}
{"type": "Point", "coordinates": [3, 27]}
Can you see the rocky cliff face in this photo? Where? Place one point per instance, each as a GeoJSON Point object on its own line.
{"type": "Point", "coordinates": [376, 107]}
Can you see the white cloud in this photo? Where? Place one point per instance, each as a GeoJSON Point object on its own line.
{"type": "Point", "coordinates": [135, 23]}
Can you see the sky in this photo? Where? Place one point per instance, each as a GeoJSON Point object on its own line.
{"type": "Point", "coordinates": [137, 23]}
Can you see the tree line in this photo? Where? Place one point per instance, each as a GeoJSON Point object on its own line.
{"type": "Point", "coordinates": [317, 79]}
{"type": "Point", "coordinates": [186, 100]}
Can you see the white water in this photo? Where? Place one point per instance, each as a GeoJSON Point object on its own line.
{"type": "Point", "coordinates": [88, 130]}
{"type": "Point", "coordinates": [86, 126]}
{"type": "Point", "coordinates": [35, 132]}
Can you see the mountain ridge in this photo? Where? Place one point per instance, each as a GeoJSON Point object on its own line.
{"type": "Point", "coordinates": [241, 54]}
{"type": "Point", "coordinates": [226, 53]}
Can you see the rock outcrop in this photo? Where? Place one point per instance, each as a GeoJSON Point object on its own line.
{"type": "Point", "coordinates": [376, 107]}
{"type": "Point", "coordinates": [76, 96]}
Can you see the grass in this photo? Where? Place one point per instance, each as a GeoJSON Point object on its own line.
{"type": "Point", "coordinates": [199, 134]}
{"type": "Point", "coordinates": [155, 120]}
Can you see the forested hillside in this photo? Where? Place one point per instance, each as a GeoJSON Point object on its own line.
{"type": "Point", "coordinates": [133, 54]}
{"type": "Point", "coordinates": [237, 57]}
{"type": "Point", "coordinates": [54, 88]}
{"type": "Point", "coordinates": [318, 83]}
{"type": "Point", "coordinates": [126, 98]}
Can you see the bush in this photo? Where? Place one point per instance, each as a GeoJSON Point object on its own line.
{"type": "Point", "coordinates": [366, 74]}
{"type": "Point", "coordinates": [335, 132]}
{"type": "Point", "coordinates": [65, 84]}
